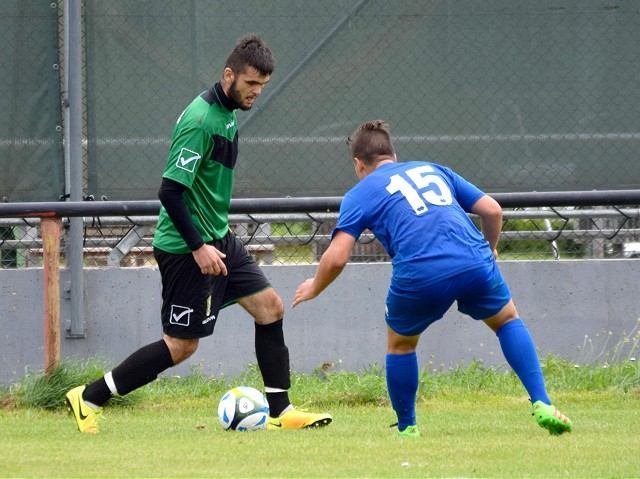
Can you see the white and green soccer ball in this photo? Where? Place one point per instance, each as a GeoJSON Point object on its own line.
{"type": "Point", "coordinates": [243, 409]}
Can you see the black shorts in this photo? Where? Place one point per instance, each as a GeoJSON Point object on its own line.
{"type": "Point", "coordinates": [191, 300]}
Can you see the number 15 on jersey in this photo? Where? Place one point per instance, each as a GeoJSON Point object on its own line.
{"type": "Point", "coordinates": [424, 187]}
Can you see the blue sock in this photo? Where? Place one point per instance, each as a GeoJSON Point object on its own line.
{"type": "Point", "coordinates": [402, 384]}
{"type": "Point", "coordinates": [520, 352]}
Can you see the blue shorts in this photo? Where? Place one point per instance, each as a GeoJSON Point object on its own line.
{"type": "Point", "coordinates": [480, 293]}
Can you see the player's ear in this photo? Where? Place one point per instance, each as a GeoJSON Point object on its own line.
{"type": "Point", "coordinates": [359, 166]}
{"type": "Point", "coordinates": [228, 75]}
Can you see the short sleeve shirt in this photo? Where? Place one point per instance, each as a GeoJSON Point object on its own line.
{"type": "Point", "coordinates": [418, 211]}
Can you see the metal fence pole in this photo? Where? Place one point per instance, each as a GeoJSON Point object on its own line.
{"type": "Point", "coordinates": [73, 159]}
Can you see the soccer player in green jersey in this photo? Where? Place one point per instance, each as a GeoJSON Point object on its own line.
{"type": "Point", "coordinates": [204, 267]}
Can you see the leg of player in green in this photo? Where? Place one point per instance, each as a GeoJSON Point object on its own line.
{"type": "Point", "coordinates": [144, 365]}
{"type": "Point", "coordinates": [273, 361]}
{"type": "Point", "coordinates": [140, 368]}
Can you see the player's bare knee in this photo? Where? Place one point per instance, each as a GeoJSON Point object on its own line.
{"type": "Point", "coordinates": [277, 308]}
{"type": "Point", "coordinates": [272, 309]}
{"type": "Point", "coordinates": [509, 312]}
{"type": "Point", "coordinates": [506, 314]}
{"type": "Point", "coordinates": [180, 348]}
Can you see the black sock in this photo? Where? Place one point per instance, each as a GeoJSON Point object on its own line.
{"type": "Point", "coordinates": [278, 402]}
{"type": "Point", "coordinates": [97, 392]}
{"type": "Point", "coordinates": [273, 361]}
{"type": "Point", "coordinates": [139, 369]}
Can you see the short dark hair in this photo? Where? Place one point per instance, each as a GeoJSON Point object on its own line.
{"type": "Point", "coordinates": [251, 51]}
{"type": "Point", "coordinates": [371, 141]}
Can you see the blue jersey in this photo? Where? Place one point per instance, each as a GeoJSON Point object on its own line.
{"type": "Point", "coordinates": [418, 211]}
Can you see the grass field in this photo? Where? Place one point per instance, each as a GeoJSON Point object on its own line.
{"type": "Point", "coordinates": [475, 423]}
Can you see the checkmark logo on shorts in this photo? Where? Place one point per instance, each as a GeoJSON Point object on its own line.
{"type": "Point", "coordinates": [180, 315]}
{"type": "Point", "coordinates": [187, 160]}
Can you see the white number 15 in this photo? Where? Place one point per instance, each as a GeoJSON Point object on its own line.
{"type": "Point", "coordinates": [422, 181]}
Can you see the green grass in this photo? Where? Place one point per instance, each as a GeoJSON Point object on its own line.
{"type": "Point", "coordinates": [475, 422]}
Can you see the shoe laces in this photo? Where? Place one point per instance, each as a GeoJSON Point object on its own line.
{"type": "Point", "coordinates": [560, 416]}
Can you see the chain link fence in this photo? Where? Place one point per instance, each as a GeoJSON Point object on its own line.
{"type": "Point", "coordinates": [31, 155]}
{"type": "Point", "coordinates": [528, 234]}
{"type": "Point", "coordinates": [513, 95]}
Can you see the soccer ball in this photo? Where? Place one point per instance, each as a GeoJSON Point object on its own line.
{"type": "Point", "coordinates": [243, 409]}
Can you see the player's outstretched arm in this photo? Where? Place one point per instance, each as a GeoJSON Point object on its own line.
{"type": "Point", "coordinates": [490, 213]}
{"type": "Point", "coordinates": [331, 265]}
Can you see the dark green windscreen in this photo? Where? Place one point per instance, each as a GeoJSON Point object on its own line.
{"type": "Point", "coordinates": [31, 158]}
{"type": "Point", "coordinates": [514, 95]}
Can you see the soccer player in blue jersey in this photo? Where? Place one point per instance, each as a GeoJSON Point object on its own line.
{"type": "Point", "coordinates": [418, 211]}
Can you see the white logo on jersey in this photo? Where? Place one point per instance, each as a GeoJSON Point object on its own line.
{"type": "Point", "coordinates": [187, 160]}
{"type": "Point", "coordinates": [230, 124]}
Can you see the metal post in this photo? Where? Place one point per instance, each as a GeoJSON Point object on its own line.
{"type": "Point", "coordinates": [127, 243]}
{"type": "Point", "coordinates": [73, 158]}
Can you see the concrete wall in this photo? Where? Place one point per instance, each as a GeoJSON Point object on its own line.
{"type": "Point", "coordinates": [580, 310]}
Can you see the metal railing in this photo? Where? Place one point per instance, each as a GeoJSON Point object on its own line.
{"type": "Point", "coordinates": [296, 230]}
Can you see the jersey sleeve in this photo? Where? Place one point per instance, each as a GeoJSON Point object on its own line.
{"type": "Point", "coordinates": [351, 219]}
{"type": "Point", "coordinates": [465, 192]}
{"type": "Point", "coordinates": [188, 148]}
{"type": "Point", "coordinates": [170, 195]}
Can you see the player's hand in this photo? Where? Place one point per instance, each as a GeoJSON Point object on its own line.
{"type": "Point", "coordinates": [304, 292]}
{"type": "Point", "coordinates": [495, 253]}
{"type": "Point", "coordinates": [210, 260]}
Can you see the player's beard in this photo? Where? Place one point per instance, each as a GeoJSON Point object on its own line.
{"type": "Point", "coordinates": [235, 96]}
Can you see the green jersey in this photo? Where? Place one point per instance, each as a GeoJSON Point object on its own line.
{"type": "Point", "coordinates": [202, 156]}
